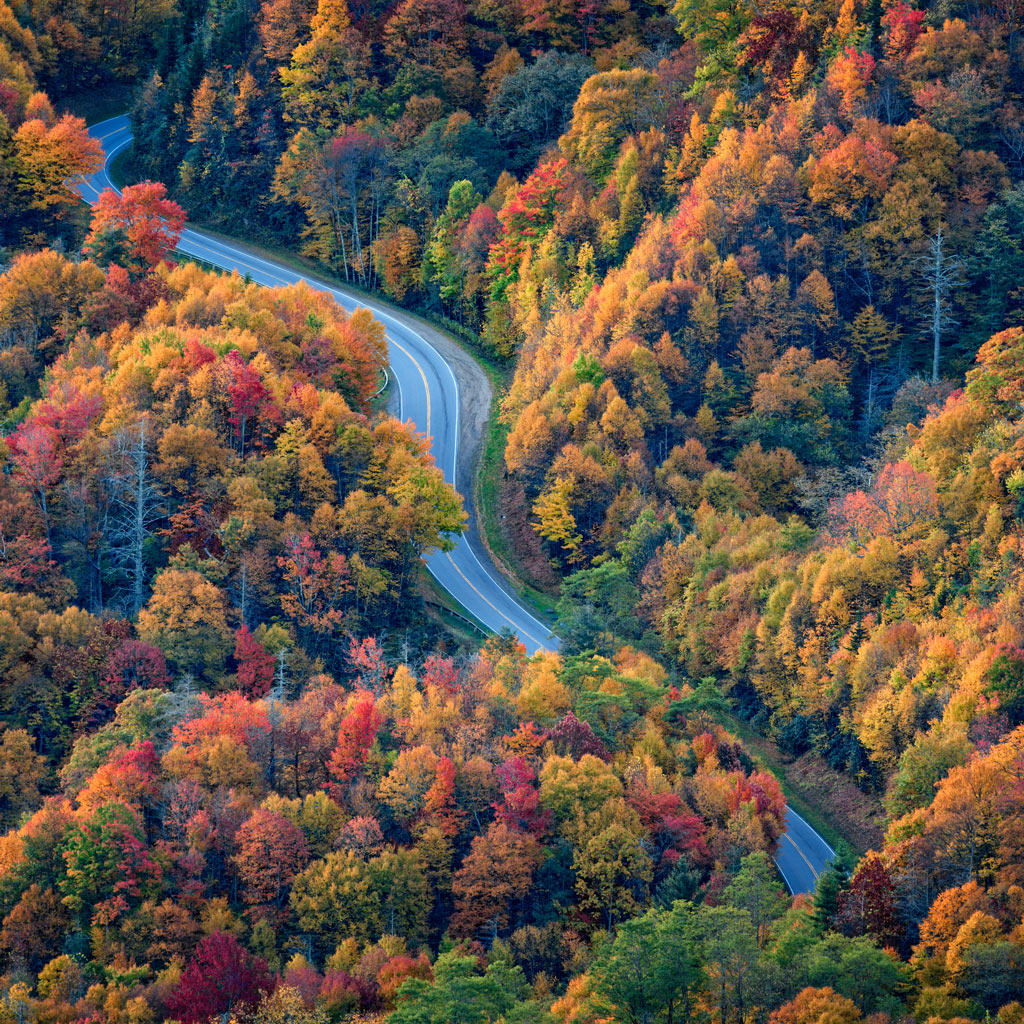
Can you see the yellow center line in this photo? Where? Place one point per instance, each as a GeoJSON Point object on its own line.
{"type": "Point", "coordinates": [515, 628]}
{"type": "Point", "coordinates": [423, 377]}
{"type": "Point", "coordinates": [786, 836]}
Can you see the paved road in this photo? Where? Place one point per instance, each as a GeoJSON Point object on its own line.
{"type": "Point", "coordinates": [429, 396]}
{"type": "Point", "coordinates": [802, 854]}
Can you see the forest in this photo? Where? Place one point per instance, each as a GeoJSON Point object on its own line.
{"type": "Point", "coordinates": [750, 278]}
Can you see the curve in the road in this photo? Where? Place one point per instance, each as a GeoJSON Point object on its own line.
{"type": "Point", "coordinates": [428, 393]}
{"type": "Point", "coordinates": [420, 371]}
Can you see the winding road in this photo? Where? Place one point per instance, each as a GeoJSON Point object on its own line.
{"type": "Point", "coordinates": [429, 395]}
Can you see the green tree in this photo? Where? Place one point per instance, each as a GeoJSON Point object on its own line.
{"type": "Point", "coordinates": [459, 994]}
{"type": "Point", "coordinates": [857, 969]}
{"type": "Point", "coordinates": [731, 958]}
{"type": "Point", "coordinates": [755, 888]}
{"type": "Point", "coordinates": [652, 970]}
{"type": "Point", "coordinates": [612, 874]}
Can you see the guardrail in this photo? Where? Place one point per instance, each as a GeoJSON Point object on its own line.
{"type": "Point", "coordinates": [457, 615]}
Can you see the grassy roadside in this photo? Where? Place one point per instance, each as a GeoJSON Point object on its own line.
{"type": "Point", "coordinates": [117, 169]}
{"type": "Point", "coordinates": [99, 104]}
{"type": "Point", "coordinates": [463, 624]}
{"type": "Point", "coordinates": [487, 495]}
{"type": "Point", "coordinates": [763, 754]}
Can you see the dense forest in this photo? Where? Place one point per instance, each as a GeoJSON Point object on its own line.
{"type": "Point", "coordinates": [753, 274]}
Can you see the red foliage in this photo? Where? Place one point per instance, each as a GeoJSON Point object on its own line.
{"type": "Point", "coordinates": [439, 800]}
{"type": "Point", "coordinates": [255, 664]}
{"type": "Point", "coordinates": [227, 714]}
{"type": "Point", "coordinates": [356, 736]}
{"type": "Point", "coordinates": [900, 499]}
{"type": "Point", "coordinates": [248, 394]}
{"type": "Point", "coordinates": [342, 993]}
{"type": "Point", "coordinates": [673, 828]}
{"type": "Point", "coordinates": [520, 808]}
{"type": "Point", "coordinates": [305, 981]}
{"type": "Point", "coordinates": [24, 562]}
{"type": "Point", "coordinates": [367, 658]}
{"type": "Point", "coordinates": [362, 835]}
{"type": "Point", "coordinates": [869, 906]}
{"type": "Point", "coordinates": [525, 218]}
{"type": "Point", "coordinates": [219, 977]}
{"type": "Point", "coordinates": [762, 790]}
{"type": "Point", "coordinates": [903, 25]}
{"type": "Point", "coordinates": [122, 299]}
{"type": "Point", "coordinates": [148, 221]}
{"type": "Point", "coordinates": [573, 738]}
{"type": "Point", "coordinates": [441, 673]}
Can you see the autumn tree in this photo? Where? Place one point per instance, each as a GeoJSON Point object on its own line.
{"type": "Point", "coordinates": [219, 977]}
{"type": "Point", "coordinates": [137, 228]}
{"type": "Point", "coordinates": [495, 875]}
{"type": "Point", "coordinates": [271, 850]}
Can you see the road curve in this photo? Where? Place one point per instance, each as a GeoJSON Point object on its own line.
{"type": "Point", "coordinates": [428, 395]}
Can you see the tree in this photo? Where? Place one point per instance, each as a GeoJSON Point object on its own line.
{"type": "Point", "coordinates": [525, 218]}
{"type": "Point", "coordinates": [108, 865]}
{"type": "Point", "coordinates": [335, 899]}
{"type": "Point", "coordinates": [940, 275]}
{"type": "Point", "coordinates": [340, 185]}
{"type": "Point", "coordinates": [255, 664]}
{"type": "Point", "coordinates": [327, 78]}
{"type": "Point", "coordinates": [430, 33]}
{"type": "Point", "coordinates": [869, 906]}
{"type": "Point", "coordinates": [185, 618]}
{"type": "Point", "coordinates": [137, 505]}
{"type": "Point", "coordinates": [652, 970]}
{"type": "Point", "coordinates": [49, 160]}
{"type": "Point", "coordinates": [755, 889]}
{"type": "Point", "coordinates": [220, 977]}
{"type": "Point", "coordinates": [612, 874]}
{"type": "Point", "coordinates": [137, 228]}
{"type": "Point", "coordinates": [35, 928]}
{"type": "Point", "coordinates": [611, 106]}
{"type": "Point", "coordinates": [21, 771]}
{"type": "Point", "coordinates": [529, 107]}
{"type": "Point", "coordinates": [901, 499]}
{"type": "Point", "coordinates": [857, 969]}
{"type": "Point", "coordinates": [731, 957]}
{"type": "Point", "coordinates": [459, 994]}
{"type": "Point", "coordinates": [356, 735]}
{"type": "Point", "coordinates": [496, 874]}
{"type": "Point", "coordinates": [817, 1006]}
{"type": "Point", "coordinates": [271, 851]}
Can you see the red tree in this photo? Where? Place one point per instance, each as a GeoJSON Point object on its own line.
{"type": "Point", "coordinates": [358, 730]}
{"type": "Point", "coordinates": [869, 905]}
{"type": "Point", "coordinates": [573, 738]}
{"type": "Point", "coordinates": [141, 223]}
{"type": "Point", "coordinates": [219, 977]}
{"type": "Point", "coordinates": [255, 664]}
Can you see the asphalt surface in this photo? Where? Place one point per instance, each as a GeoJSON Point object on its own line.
{"type": "Point", "coordinates": [427, 392]}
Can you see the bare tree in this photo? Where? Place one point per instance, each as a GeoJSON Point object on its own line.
{"type": "Point", "coordinates": [136, 504]}
{"type": "Point", "coordinates": [941, 272]}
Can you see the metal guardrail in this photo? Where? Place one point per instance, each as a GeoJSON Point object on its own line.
{"type": "Point", "coordinates": [457, 615]}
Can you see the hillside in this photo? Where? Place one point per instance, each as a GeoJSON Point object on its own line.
{"type": "Point", "coordinates": [752, 274]}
